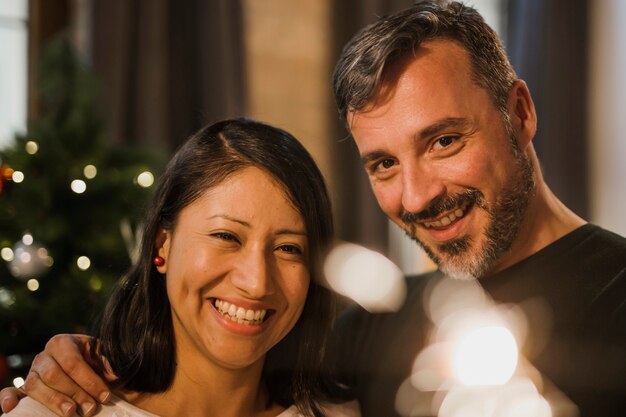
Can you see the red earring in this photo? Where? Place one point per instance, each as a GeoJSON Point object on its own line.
{"type": "Point", "coordinates": [158, 261]}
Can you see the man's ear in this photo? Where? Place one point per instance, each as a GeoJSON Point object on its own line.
{"type": "Point", "coordinates": [522, 113]}
{"type": "Point", "coordinates": [162, 244]}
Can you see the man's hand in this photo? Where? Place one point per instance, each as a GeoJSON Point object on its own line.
{"type": "Point", "coordinates": [61, 378]}
{"type": "Point", "coordinates": [9, 397]}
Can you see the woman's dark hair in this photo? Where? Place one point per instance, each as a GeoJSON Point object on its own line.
{"type": "Point", "coordinates": [361, 68]}
{"type": "Point", "coordinates": [136, 334]}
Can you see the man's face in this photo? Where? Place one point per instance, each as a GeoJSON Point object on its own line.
{"type": "Point", "coordinates": [443, 163]}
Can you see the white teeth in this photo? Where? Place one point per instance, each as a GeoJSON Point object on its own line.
{"type": "Point", "coordinates": [446, 220]}
{"type": "Point", "coordinates": [239, 314]}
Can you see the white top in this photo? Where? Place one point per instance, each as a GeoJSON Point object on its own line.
{"type": "Point", "coordinates": [117, 407]}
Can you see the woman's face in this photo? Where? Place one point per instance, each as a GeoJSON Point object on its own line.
{"type": "Point", "coordinates": [236, 270]}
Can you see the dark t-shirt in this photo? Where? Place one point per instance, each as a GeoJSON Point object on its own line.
{"type": "Point", "coordinates": [579, 346]}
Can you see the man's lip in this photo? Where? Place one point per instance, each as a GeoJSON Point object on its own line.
{"type": "Point", "coordinates": [451, 231]}
{"type": "Point", "coordinates": [450, 215]}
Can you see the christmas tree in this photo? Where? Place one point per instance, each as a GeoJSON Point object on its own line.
{"type": "Point", "coordinates": [70, 207]}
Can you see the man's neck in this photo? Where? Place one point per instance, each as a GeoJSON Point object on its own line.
{"type": "Point", "coordinates": [546, 220]}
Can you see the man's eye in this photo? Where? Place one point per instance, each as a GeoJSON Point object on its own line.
{"type": "Point", "coordinates": [387, 163]}
{"type": "Point", "coordinates": [445, 141]}
{"type": "Point", "coordinates": [383, 164]}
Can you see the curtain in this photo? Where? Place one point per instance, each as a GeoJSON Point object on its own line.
{"type": "Point", "coordinates": [167, 67]}
{"type": "Point", "coordinates": [359, 218]}
{"type": "Point", "coordinates": [547, 43]}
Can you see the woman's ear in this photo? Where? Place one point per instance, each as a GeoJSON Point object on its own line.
{"type": "Point", "coordinates": [162, 244]}
{"type": "Point", "coordinates": [522, 113]}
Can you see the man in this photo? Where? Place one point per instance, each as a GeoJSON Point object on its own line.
{"type": "Point", "coordinates": [445, 130]}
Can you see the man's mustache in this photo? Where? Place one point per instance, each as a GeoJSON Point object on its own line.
{"type": "Point", "coordinates": [443, 204]}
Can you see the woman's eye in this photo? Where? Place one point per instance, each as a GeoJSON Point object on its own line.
{"type": "Point", "coordinates": [229, 237]}
{"type": "Point", "coordinates": [292, 249]}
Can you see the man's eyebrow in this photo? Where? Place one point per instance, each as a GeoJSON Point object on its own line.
{"type": "Point", "coordinates": [432, 130]}
{"type": "Point", "coordinates": [372, 156]}
{"type": "Point", "coordinates": [450, 122]}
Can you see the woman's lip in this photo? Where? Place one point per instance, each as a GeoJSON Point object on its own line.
{"type": "Point", "coordinates": [247, 304]}
{"type": "Point", "coordinates": [246, 329]}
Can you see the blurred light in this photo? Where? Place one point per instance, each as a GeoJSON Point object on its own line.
{"type": "Point", "coordinates": [90, 172]}
{"type": "Point", "coordinates": [15, 361]}
{"type": "Point", "coordinates": [17, 177]}
{"type": "Point", "coordinates": [517, 398]}
{"type": "Point", "coordinates": [95, 283]}
{"type": "Point", "coordinates": [145, 179]}
{"type": "Point", "coordinates": [83, 263]}
{"type": "Point", "coordinates": [31, 147]}
{"type": "Point", "coordinates": [7, 254]}
{"type": "Point", "coordinates": [78, 186]}
{"type": "Point", "coordinates": [6, 172]}
{"type": "Point", "coordinates": [24, 257]}
{"type": "Point", "coordinates": [27, 239]}
{"type": "Point", "coordinates": [18, 382]}
{"type": "Point", "coordinates": [365, 276]}
{"type": "Point", "coordinates": [485, 356]}
{"type": "Point", "coordinates": [7, 298]}
{"type": "Point", "coordinates": [32, 284]}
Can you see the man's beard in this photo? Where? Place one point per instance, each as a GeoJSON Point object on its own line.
{"type": "Point", "coordinates": [505, 217]}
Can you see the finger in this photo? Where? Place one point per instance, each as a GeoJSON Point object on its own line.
{"type": "Point", "coordinates": [50, 385]}
{"type": "Point", "coordinates": [58, 403]}
{"type": "Point", "coordinates": [9, 397]}
{"type": "Point", "coordinates": [73, 354]}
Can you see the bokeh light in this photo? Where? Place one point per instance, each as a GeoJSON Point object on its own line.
{"type": "Point", "coordinates": [78, 186]}
{"type": "Point", "coordinates": [18, 382]}
{"type": "Point", "coordinates": [83, 263]}
{"type": "Point", "coordinates": [485, 356]}
{"type": "Point", "coordinates": [27, 239]}
{"type": "Point", "coordinates": [17, 177]}
{"type": "Point", "coordinates": [7, 254]}
{"type": "Point", "coordinates": [31, 147]}
{"type": "Point", "coordinates": [90, 171]}
{"type": "Point", "coordinates": [32, 284]}
{"type": "Point", "coordinates": [365, 276]}
{"type": "Point", "coordinates": [145, 179]}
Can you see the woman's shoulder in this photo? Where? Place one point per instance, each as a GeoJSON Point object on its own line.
{"type": "Point", "coordinates": [27, 407]}
{"type": "Point", "coordinates": [349, 409]}
{"type": "Point", "coordinates": [117, 407]}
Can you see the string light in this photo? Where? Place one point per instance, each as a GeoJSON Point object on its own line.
{"type": "Point", "coordinates": [18, 382]}
{"type": "Point", "coordinates": [17, 177]}
{"type": "Point", "coordinates": [145, 179]}
{"type": "Point", "coordinates": [27, 239]}
{"type": "Point", "coordinates": [31, 147]}
{"type": "Point", "coordinates": [83, 263]}
{"type": "Point", "coordinates": [32, 284]}
{"type": "Point", "coordinates": [78, 186]}
{"type": "Point", "coordinates": [7, 254]}
{"type": "Point", "coordinates": [90, 171]}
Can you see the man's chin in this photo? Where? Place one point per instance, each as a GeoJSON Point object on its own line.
{"type": "Point", "coordinates": [457, 272]}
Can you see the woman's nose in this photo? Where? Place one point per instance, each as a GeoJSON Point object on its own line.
{"type": "Point", "coordinates": [252, 275]}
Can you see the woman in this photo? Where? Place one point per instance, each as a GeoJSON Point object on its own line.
{"type": "Point", "coordinates": [222, 315]}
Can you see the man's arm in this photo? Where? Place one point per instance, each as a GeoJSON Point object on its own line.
{"type": "Point", "coordinates": [61, 378]}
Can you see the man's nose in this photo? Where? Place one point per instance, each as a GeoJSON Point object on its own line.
{"type": "Point", "coordinates": [420, 187]}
